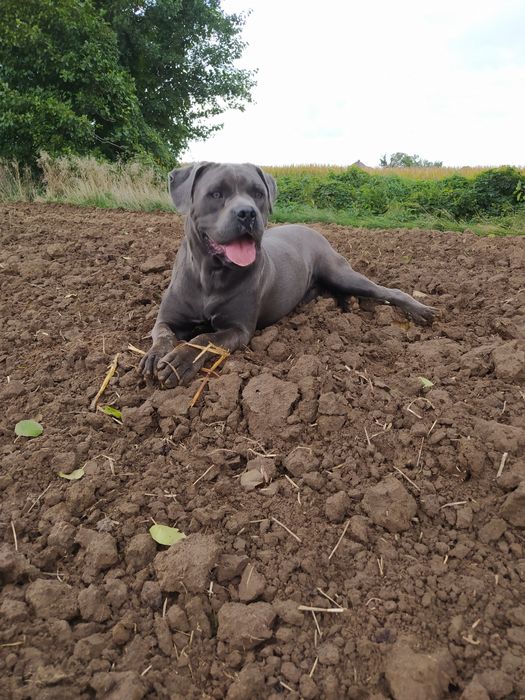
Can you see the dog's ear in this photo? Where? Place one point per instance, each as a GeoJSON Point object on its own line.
{"type": "Point", "coordinates": [181, 182]}
{"type": "Point", "coordinates": [270, 184]}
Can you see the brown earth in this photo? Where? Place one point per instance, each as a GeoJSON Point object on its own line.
{"type": "Point", "coordinates": [317, 471]}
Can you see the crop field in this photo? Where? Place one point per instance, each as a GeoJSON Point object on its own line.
{"type": "Point", "coordinates": [351, 486]}
{"type": "Point", "coordinates": [415, 173]}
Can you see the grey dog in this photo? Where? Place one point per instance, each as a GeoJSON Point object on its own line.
{"type": "Point", "coordinates": [231, 276]}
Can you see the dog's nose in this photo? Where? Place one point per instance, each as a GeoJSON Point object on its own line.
{"type": "Point", "coordinates": [246, 215]}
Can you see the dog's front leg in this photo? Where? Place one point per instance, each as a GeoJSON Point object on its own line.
{"type": "Point", "coordinates": [180, 365]}
{"type": "Point", "coordinates": [164, 340]}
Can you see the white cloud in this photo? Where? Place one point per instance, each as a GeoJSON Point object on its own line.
{"type": "Point", "coordinates": [339, 81]}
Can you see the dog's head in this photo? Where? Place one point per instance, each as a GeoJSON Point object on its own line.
{"type": "Point", "coordinates": [229, 206]}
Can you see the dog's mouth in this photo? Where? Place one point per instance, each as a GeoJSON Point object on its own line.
{"type": "Point", "coordinates": [242, 251]}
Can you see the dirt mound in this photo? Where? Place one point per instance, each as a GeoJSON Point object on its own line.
{"type": "Point", "coordinates": [352, 531]}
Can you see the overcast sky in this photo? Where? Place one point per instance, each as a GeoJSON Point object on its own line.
{"type": "Point", "coordinates": [341, 80]}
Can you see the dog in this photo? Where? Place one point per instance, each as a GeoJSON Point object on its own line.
{"type": "Point", "coordinates": [231, 276]}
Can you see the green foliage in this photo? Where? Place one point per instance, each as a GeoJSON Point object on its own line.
{"type": "Point", "coordinates": [61, 85]}
{"type": "Point", "coordinates": [403, 160]}
{"type": "Point", "coordinates": [180, 54]}
{"type": "Point", "coordinates": [495, 189]}
{"type": "Point", "coordinates": [115, 78]}
{"type": "Point", "coordinates": [357, 193]}
{"type": "Point", "coordinates": [453, 195]}
{"type": "Point", "coordinates": [296, 188]}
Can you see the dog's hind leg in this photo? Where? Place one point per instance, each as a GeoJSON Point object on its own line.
{"type": "Point", "coordinates": [336, 274]}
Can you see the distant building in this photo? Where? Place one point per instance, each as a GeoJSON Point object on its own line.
{"type": "Point", "coordinates": [358, 164]}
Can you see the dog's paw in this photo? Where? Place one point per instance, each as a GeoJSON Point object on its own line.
{"type": "Point", "coordinates": [422, 315]}
{"type": "Point", "coordinates": [177, 367]}
{"type": "Point", "coordinates": [149, 363]}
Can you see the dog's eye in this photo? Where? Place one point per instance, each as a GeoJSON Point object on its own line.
{"type": "Point", "coordinates": [216, 195]}
{"type": "Point", "coordinates": [259, 194]}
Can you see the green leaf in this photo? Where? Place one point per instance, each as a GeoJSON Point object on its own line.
{"type": "Point", "coordinates": [163, 534]}
{"type": "Point", "coordinates": [74, 475]}
{"type": "Point", "coordinates": [28, 428]}
{"type": "Point", "coordinates": [426, 383]}
{"type": "Point", "coordinates": [111, 411]}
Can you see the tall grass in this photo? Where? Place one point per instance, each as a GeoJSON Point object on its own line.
{"type": "Point", "coordinates": [88, 182]}
{"type": "Point", "coordinates": [16, 183]}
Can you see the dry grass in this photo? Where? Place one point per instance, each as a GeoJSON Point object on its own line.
{"type": "Point", "coordinates": [16, 183]}
{"type": "Point", "coordinates": [87, 181]}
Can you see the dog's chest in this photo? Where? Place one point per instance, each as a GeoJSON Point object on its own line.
{"type": "Point", "coordinates": [201, 300]}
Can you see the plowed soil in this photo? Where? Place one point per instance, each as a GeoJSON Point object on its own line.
{"type": "Point", "coordinates": [318, 470]}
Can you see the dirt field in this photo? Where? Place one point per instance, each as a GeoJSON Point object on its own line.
{"type": "Point", "coordinates": [316, 471]}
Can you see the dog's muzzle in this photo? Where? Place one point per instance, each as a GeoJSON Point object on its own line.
{"type": "Point", "coordinates": [242, 251]}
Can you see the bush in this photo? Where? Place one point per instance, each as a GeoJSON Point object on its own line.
{"type": "Point", "coordinates": [459, 197]}
{"type": "Point", "coordinates": [495, 189]}
{"type": "Point", "coordinates": [340, 190]}
{"type": "Point", "coordinates": [296, 189]}
{"type": "Point", "coordinates": [453, 195]}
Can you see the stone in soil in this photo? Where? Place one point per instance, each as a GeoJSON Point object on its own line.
{"type": "Point", "coordinates": [140, 551]}
{"type": "Point", "coordinates": [512, 476]}
{"type": "Point", "coordinates": [252, 584]}
{"type": "Point", "coordinates": [300, 461]}
{"type": "Point", "coordinates": [390, 505]}
{"type": "Point", "coordinates": [513, 509]}
{"type": "Point", "coordinates": [14, 566]}
{"type": "Point", "coordinates": [267, 402]}
{"type": "Point", "coordinates": [288, 611]}
{"type": "Point", "coordinates": [509, 361]}
{"type": "Point", "coordinates": [497, 683]}
{"type": "Point", "coordinates": [418, 676]}
{"type": "Point", "coordinates": [493, 530]}
{"type": "Point", "coordinates": [185, 566]}
{"type": "Point", "coordinates": [336, 507]}
{"type": "Point", "coordinates": [249, 684]}
{"type": "Point", "coordinates": [100, 550]}
{"type": "Point", "coordinates": [245, 626]}
{"type": "Point", "coordinates": [52, 599]}
{"type": "Point", "coordinates": [92, 604]}
{"type": "Point", "coordinates": [118, 685]}
{"type": "Point", "coordinates": [474, 691]}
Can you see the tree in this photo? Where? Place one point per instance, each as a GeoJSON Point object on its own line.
{"type": "Point", "coordinates": [61, 86]}
{"type": "Point", "coordinates": [403, 160]}
{"type": "Point", "coordinates": [115, 78]}
{"type": "Point", "coordinates": [181, 55]}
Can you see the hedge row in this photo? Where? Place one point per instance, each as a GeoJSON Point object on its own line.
{"type": "Point", "coordinates": [494, 192]}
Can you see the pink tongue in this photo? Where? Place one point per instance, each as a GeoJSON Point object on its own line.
{"type": "Point", "coordinates": [241, 252]}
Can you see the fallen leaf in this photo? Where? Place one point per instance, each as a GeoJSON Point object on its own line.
{"type": "Point", "coordinates": [74, 475]}
{"type": "Point", "coordinates": [28, 428]}
{"type": "Point", "coordinates": [426, 383]}
{"type": "Point", "coordinates": [164, 534]}
{"type": "Point", "coordinates": [251, 479]}
{"type": "Point", "coordinates": [111, 411]}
